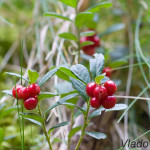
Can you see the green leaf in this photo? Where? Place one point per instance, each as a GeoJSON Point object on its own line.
{"type": "Point", "coordinates": [113, 28]}
{"type": "Point", "coordinates": [45, 95]}
{"type": "Point", "coordinates": [82, 19]}
{"type": "Point", "coordinates": [117, 63]}
{"type": "Point", "coordinates": [1, 135]}
{"type": "Point", "coordinates": [105, 79]}
{"type": "Point", "coordinates": [67, 72]}
{"type": "Point", "coordinates": [86, 43]}
{"type": "Point", "coordinates": [68, 36]}
{"type": "Point", "coordinates": [80, 87]}
{"type": "Point", "coordinates": [96, 135]}
{"type": "Point", "coordinates": [81, 73]}
{"type": "Point", "coordinates": [58, 125]}
{"type": "Point", "coordinates": [72, 3]}
{"type": "Point", "coordinates": [99, 78]}
{"type": "Point", "coordinates": [87, 33]}
{"type": "Point", "coordinates": [9, 92]}
{"type": "Point", "coordinates": [73, 131]}
{"type": "Point", "coordinates": [33, 118]}
{"type": "Point", "coordinates": [116, 108]}
{"type": "Point", "coordinates": [7, 111]}
{"type": "Point", "coordinates": [33, 76]}
{"type": "Point", "coordinates": [97, 65]}
{"type": "Point", "coordinates": [61, 101]}
{"type": "Point", "coordinates": [47, 76]}
{"type": "Point", "coordinates": [16, 75]}
{"type": "Point", "coordinates": [53, 14]}
{"type": "Point", "coordinates": [97, 7]}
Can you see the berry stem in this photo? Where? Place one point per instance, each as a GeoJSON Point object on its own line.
{"type": "Point", "coordinates": [44, 128]}
{"type": "Point", "coordinates": [84, 126]}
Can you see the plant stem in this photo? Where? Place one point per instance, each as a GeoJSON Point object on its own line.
{"type": "Point", "coordinates": [84, 126]}
{"type": "Point", "coordinates": [71, 125]}
{"type": "Point", "coordinates": [44, 128]}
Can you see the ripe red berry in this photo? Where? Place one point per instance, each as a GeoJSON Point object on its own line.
{"type": "Point", "coordinates": [17, 88]}
{"type": "Point", "coordinates": [100, 92]}
{"type": "Point", "coordinates": [34, 89]}
{"type": "Point", "coordinates": [95, 103]}
{"type": "Point", "coordinates": [90, 51]}
{"type": "Point", "coordinates": [109, 102]}
{"type": "Point", "coordinates": [96, 41]}
{"type": "Point", "coordinates": [108, 71]}
{"type": "Point", "coordinates": [30, 103]}
{"type": "Point", "coordinates": [24, 93]}
{"type": "Point", "coordinates": [90, 88]}
{"type": "Point", "coordinates": [111, 87]}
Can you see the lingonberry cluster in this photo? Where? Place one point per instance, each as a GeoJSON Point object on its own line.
{"type": "Point", "coordinates": [102, 94]}
{"type": "Point", "coordinates": [28, 94]}
{"type": "Point", "coordinates": [90, 49]}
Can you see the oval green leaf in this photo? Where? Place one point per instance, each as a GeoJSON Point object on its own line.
{"type": "Point", "coordinates": [45, 95]}
{"type": "Point", "coordinates": [16, 75]}
{"type": "Point", "coordinates": [82, 19]}
{"type": "Point", "coordinates": [68, 36]}
{"type": "Point", "coordinates": [53, 14]}
{"type": "Point", "coordinates": [72, 3]}
{"type": "Point", "coordinates": [33, 76]}
{"type": "Point", "coordinates": [33, 118]}
{"type": "Point", "coordinates": [97, 135]}
{"type": "Point", "coordinates": [81, 73]}
{"type": "Point", "coordinates": [47, 76]}
{"type": "Point", "coordinates": [97, 7]}
{"type": "Point", "coordinates": [58, 126]}
{"type": "Point", "coordinates": [80, 87]}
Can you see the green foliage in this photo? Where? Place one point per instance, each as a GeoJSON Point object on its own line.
{"type": "Point", "coordinates": [16, 75]}
{"type": "Point", "coordinates": [47, 76]}
{"type": "Point", "coordinates": [86, 43]}
{"type": "Point", "coordinates": [99, 78]}
{"type": "Point", "coordinates": [53, 14]}
{"type": "Point", "coordinates": [81, 73]}
{"type": "Point", "coordinates": [45, 95]}
{"type": "Point", "coordinates": [97, 7]}
{"type": "Point", "coordinates": [72, 3]}
{"type": "Point", "coordinates": [97, 65]}
{"type": "Point", "coordinates": [33, 118]}
{"type": "Point", "coordinates": [97, 135]}
{"type": "Point", "coordinates": [58, 126]}
{"type": "Point", "coordinates": [68, 36]}
{"type": "Point", "coordinates": [61, 102]}
{"type": "Point", "coordinates": [74, 130]}
{"type": "Point", "coordinates": [117, 107]}
{"type": "Point", "coordinates": [82, 19]}
{"type": "Point", "coordinates": [87, 33]}
{"type": "Point", "coordinates": [33, 76]}
{"type": "Point", "coordinates": [80, 87]}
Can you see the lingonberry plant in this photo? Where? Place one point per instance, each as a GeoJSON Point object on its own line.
{"type": "Point", "coordinates": [91, 85]}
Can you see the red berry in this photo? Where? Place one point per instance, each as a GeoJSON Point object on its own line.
{"type": "Point", "coordinates": [24, 93]}
{"type": "Point", "coordinates": [34, 89]}
{"type": "Point", "coordinates": [108, 71]}
{"type": "Point", "coordinates": [95, 103]}
{"type": "Point", "coordinates": [30, 103]}
{"type": "Point", "coordinates": [90, 88]}
{"type": "Point", "coordinates": [109, 102]}
{"type": "Point", "coordinates": [90, 51]}
{"type": "Point", "coordinates": [96, 41]}
{"type": "Point", "coordinates": [100, 92]}
{"type": "Point", "coordinates": [111, 87]}
{"type": "Point", "coordinates": [17, 88]}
